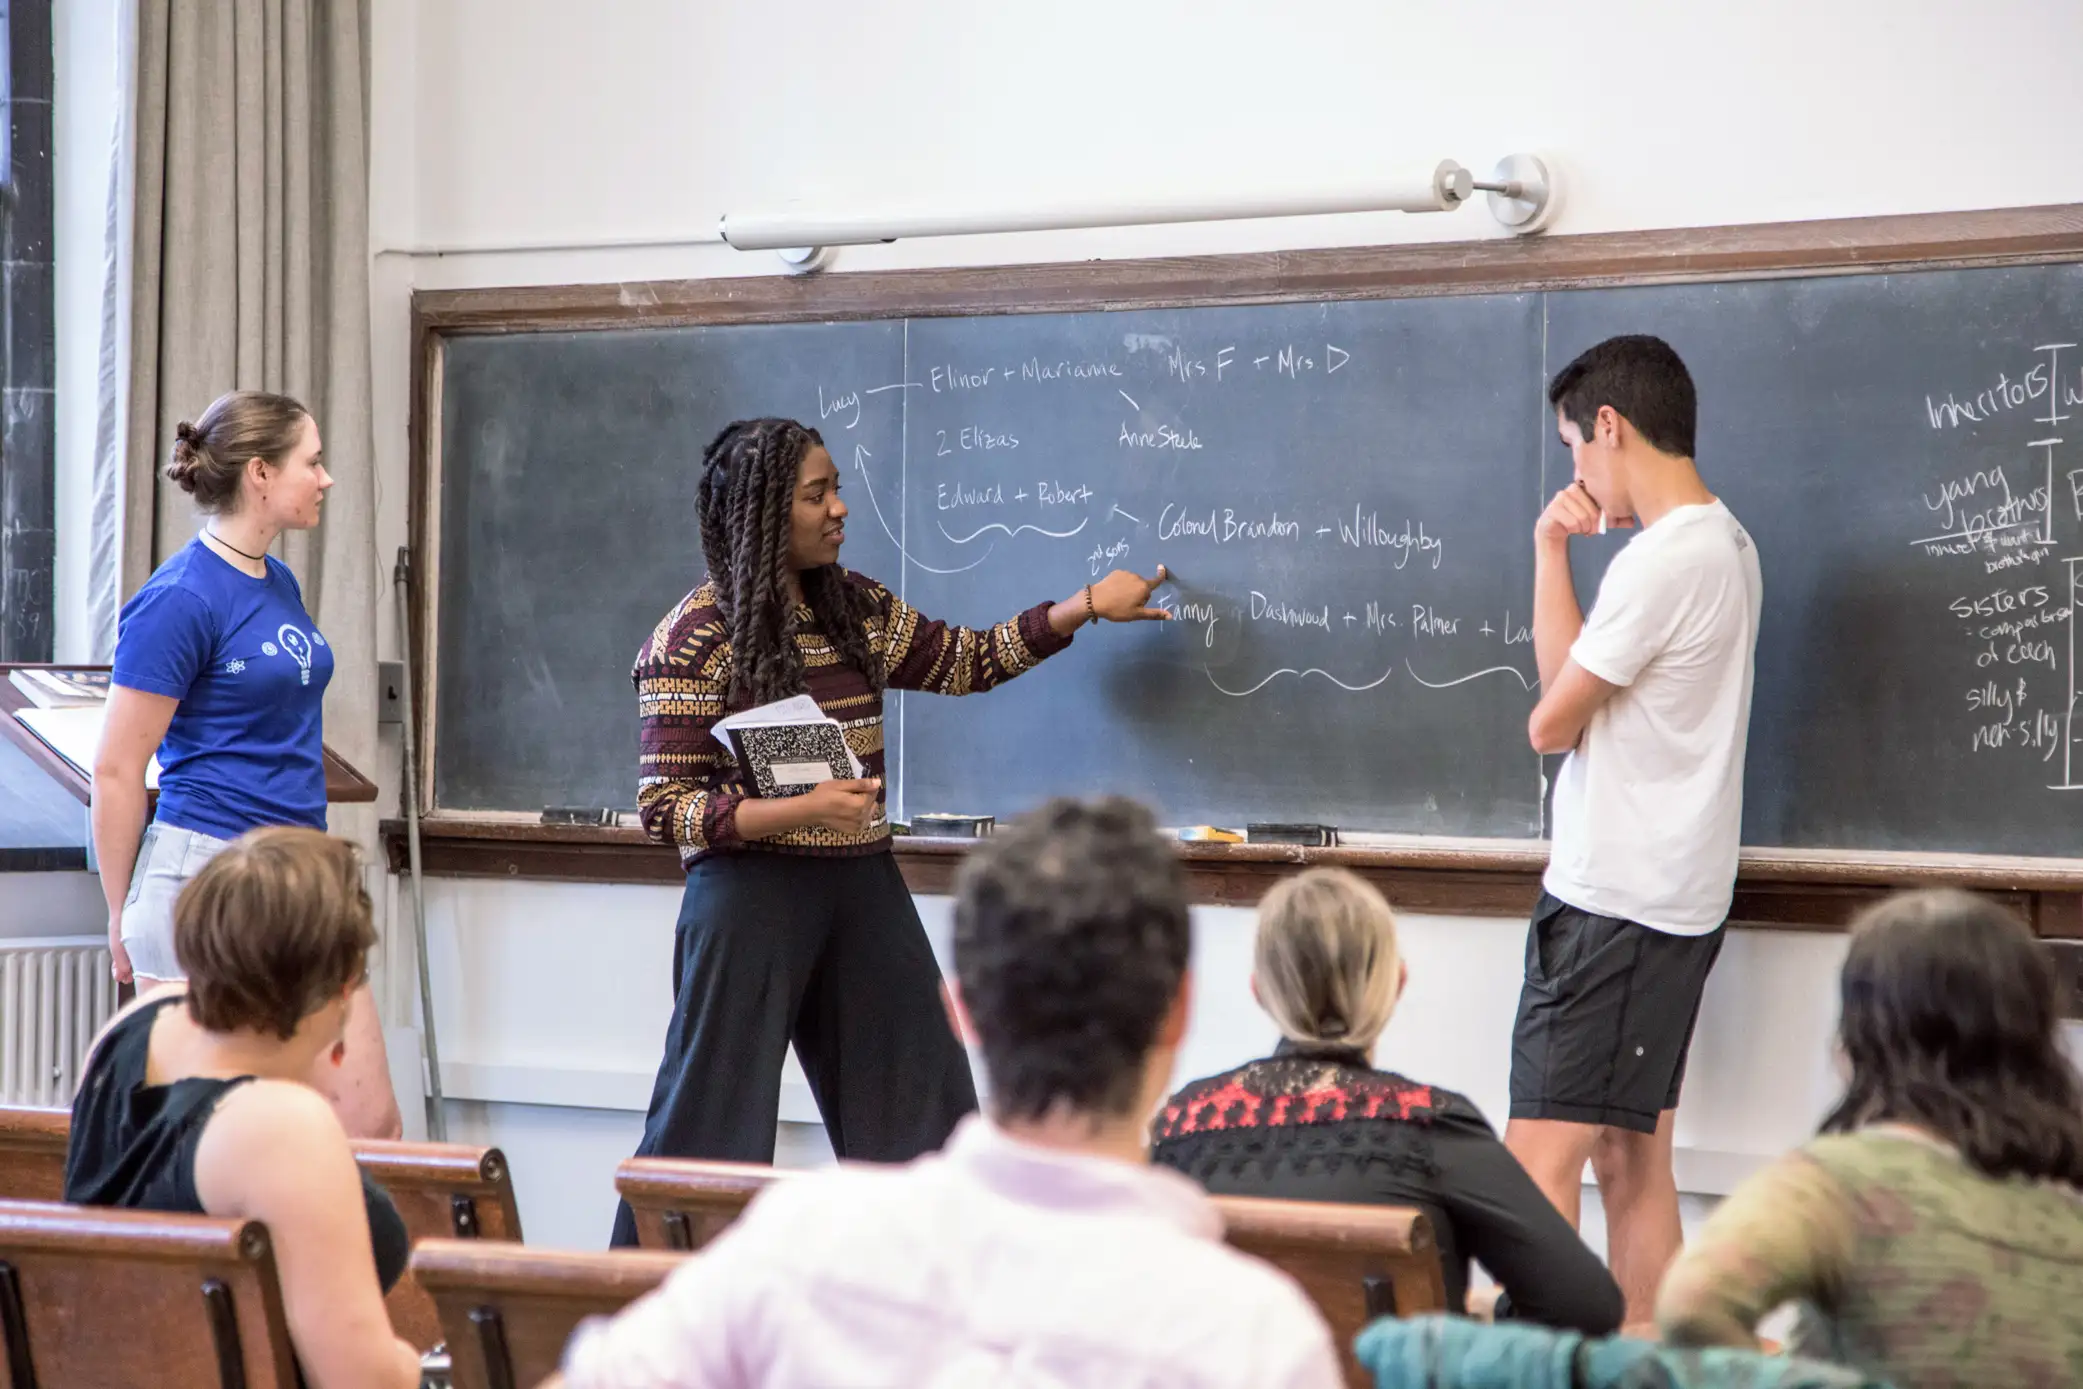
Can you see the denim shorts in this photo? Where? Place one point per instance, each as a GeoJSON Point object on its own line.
{"type": "Point", "coordinates": [166, 860]}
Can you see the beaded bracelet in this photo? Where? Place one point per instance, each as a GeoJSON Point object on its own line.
{"type": "Point", "coordinates": [1091, 613]}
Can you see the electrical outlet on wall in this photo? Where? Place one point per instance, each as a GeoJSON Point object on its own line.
{"type": "Point", "coordinates": [390, 692]}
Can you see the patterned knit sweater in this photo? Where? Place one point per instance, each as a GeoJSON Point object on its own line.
{"type": "Point", "coordinates": [689, 784]}
{"type": "Point", "coordinates": [1904, 1262]}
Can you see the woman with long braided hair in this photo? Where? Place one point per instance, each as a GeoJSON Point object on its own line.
{"type": "Point", "coordinates": [796, 925]}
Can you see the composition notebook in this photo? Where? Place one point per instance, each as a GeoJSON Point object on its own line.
{"type": "Point", "coordinates": [788, 747]}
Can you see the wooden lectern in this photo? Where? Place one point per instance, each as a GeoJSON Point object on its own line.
{"type": "Point", "coordinates": [343, 784]}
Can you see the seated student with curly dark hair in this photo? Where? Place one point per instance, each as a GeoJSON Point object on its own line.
{"type": "Point", "coordinates": [1317, 1122]}
{"type": "Point", "coordinates": [1039, 1247]}
{"type": "Point", "coordinates": [199, 1097]}
{"type": "Point", "coordinates": [1933, 1236]}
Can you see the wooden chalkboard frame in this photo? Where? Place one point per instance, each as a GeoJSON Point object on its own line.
{"type": "Point", "coordinates": [1787, 889]}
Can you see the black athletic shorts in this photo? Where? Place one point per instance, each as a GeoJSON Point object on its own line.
{"type": "Point", "coordinates": [1605, 1017]}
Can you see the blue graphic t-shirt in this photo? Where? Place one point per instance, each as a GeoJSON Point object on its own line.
{"type": "Point", "coordinates": [250, 669]}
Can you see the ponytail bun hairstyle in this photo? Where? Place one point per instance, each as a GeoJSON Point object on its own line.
{"type": "Point", "coordinates": [210, 456]}
{"type": "Point", "coordinates": [1326, 959]}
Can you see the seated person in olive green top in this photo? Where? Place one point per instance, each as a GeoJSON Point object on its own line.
{"type": "Point", "coordinates": [1317, 1122]}
{"type": "Point", "coordinates": [200, 1097]}
{"type": "Point", "coordinates": [1934, 1236]}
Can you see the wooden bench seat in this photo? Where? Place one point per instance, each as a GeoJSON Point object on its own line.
{"type": "Point", "coordinates": [681, 1205]}
{"type": "Point", "coordinates": [442, 1190]}
{"type": "Point", "coordinates": [32, 1153]}
{"type": "Point", "coordinates": [1356, 1263]}
{"type": "Point", "coordinates": [508, 1309]}
{"type": "Point", "coordinates": [95, 1296]}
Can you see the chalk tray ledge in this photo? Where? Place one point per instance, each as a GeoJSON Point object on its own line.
{"type": "Point", "coordinates": [1776, 889]}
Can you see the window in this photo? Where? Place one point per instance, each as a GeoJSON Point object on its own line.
{"type": "Point", "coordinates": [28, 443]}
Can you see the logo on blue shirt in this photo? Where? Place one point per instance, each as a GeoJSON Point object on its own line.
{"type": "Point", "coordinates": [294, 643]}
{"type": "Point", "coordinates": [299, 648]}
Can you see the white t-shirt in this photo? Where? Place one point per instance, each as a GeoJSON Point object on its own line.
{"type": "Point", "coordinates": [1649, 807]}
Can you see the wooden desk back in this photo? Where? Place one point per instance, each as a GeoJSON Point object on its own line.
{"type": "Point", "coordinates": [442, 1190]}
{"type": "Point", "coordinates": [681, 1205]}
{"type": "Point", "coordinates": [508, 1309]}
{"type": "Point", "coordinates": [32, 1153]}
{"type": "Point", "coordinates": [113, 1297]}
{"type": "Point", "coordinates": [1356, 1263]}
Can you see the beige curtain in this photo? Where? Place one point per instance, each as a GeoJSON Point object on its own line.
{"type": "Point", "coordinates": [250, 270]}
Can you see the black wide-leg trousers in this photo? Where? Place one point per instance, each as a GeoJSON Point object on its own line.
{"type": "Point", "coordinates": [827, 953]}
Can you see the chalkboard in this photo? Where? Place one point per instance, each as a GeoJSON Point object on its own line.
{"type": "Point", "coordinates": [1345, 491]}
{"type": "Point", "coordinates": [568, 530]}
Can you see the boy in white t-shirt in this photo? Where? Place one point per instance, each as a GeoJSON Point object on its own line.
{"type": "Point", "coordinates": [1650, 699]}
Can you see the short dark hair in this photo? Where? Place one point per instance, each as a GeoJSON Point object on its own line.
{"type": "Point", "coordinates": [1643, 380]}
{"type": "Point", "coordinates": [1071, 939]}
{"type": "Point", "coordinates": [272, 929]}
{"type": "Point", "coordinates": [1951, 1021]}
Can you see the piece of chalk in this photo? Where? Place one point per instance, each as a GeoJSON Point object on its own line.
{"type": "Point", "coordinates": [1210, 834]}
{"type": "Point", "coordinates": [1602, 523]}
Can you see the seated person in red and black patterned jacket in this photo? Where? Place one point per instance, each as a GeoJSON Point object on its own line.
{"type": "Point", "coordinates": [1317, 1122]}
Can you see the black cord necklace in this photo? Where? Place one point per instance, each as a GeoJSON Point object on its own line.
{"type": "Point", "coordinates": [260, 558]}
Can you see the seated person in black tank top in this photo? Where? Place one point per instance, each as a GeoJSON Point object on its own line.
{"type": "Point", "coordinates": [1317, 1122]}
{"type": "Point", "coordinates": [197, 1098]}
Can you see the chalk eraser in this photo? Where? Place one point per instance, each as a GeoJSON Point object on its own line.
{"type": "Point", "coordinates": [1315, 836]}
{"type": "Point", "coordinates": [953, 826]}
{"type": "Point", "coordinates": [578, 815]}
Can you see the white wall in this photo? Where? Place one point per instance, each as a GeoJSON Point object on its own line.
{"type": "Point", "coordinates": [654, 116]}
{"type": "Point", "coordinates": [556, 1037]}
{"type": "Point", "coordinates": [51, 904]}
{"type": "Point", "coordinates": [516, 123]}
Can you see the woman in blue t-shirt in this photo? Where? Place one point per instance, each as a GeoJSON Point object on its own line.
{"type": "Point", "coordinates": [221, 671]}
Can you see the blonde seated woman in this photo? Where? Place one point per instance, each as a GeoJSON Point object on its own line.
{"type": "Point", "coordinates": [1933, 1235]}
{"type": "Point", "coordinates": [199, 1098]}
{"type": "Point", "coordinates": [1317, 1121]}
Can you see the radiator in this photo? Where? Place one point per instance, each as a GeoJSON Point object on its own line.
{"type": "Point", "coordinates": [55, 995]}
